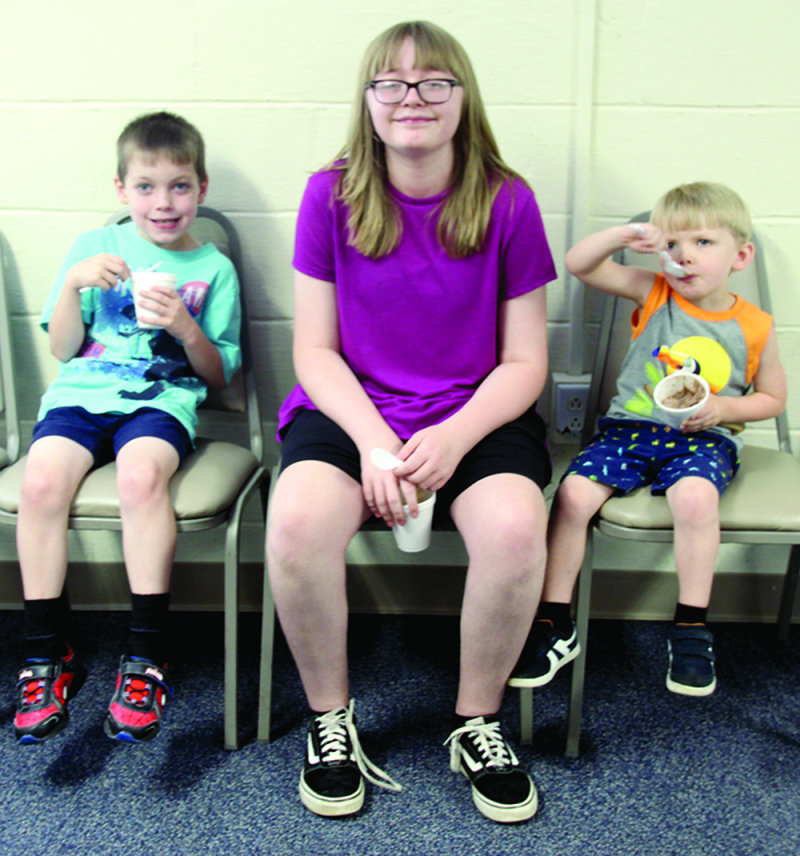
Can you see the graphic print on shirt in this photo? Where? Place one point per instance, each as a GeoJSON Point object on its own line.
{"type": "Point", "coordinates": [121, 349]}
{"type": "Point", "coordinates": [699, 354]}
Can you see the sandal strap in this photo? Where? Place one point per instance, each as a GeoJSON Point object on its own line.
{"type": "Point", "coordinates": [37, 671]}
{"type": "Point", "coordinates": [693, 641]}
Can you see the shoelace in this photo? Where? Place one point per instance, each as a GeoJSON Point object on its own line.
{"type": "Point", "coordinates": [32, 693]}
{"type": "Point", "coordinates": [136, 692]}
{"type": "Point", "coordinates": [488, 739]}
{"type": "Point", "coordinates": [334, 728]}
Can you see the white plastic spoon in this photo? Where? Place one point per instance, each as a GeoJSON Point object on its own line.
{"type": "Point", "coordinates": [384, 459]}
{"type": "Point", "coordinates": [670, 265]}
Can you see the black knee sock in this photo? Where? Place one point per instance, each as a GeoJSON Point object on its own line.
{"type": "Point", "coordinates": [46, 627]}
{"type": "Point", "coordinates": [148, 632]}
{"type": "Point", "coordinates": [557, 613]}
{"type": "Point", "coordinates": [690, 614]}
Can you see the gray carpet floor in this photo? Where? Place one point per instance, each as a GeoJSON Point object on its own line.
{"type": "Point", "coordinates": [658, 773]}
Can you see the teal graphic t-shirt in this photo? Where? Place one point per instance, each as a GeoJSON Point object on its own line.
{"type": "Point", "coordinates": [120, 367]}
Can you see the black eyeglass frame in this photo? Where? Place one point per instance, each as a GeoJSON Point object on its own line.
{"type": "Point", "coordinates": [409, 86]}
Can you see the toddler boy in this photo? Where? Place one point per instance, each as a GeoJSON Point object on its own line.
{"type": "Point", "coordinates": [686, 320]}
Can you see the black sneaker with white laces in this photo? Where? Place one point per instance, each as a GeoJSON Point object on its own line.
{"type": "Point", "coordinates": [501, 790]}
{"type": "Point", "coordinates": [332, 781]}
{"type": "Point", "coordinates": [546, 651]}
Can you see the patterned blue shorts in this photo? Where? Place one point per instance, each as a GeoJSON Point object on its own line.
{"type": "Point", "coordinates": [627, 454]}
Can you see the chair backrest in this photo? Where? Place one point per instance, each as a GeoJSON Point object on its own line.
{"type": "Point", "coordinates": [8, 397]}
{"type": "Point", "coordinates": [615, 331]}
{"type": "Point", "coordinates": [240, 395]}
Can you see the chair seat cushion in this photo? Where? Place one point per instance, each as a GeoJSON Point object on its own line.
{"type": "Point", "coordinates": [764, 495]}
{"type": "Point", "coordinates": [207, 482]}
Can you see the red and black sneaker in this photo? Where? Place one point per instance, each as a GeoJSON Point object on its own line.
{"type": "Point", "coordinates": [134, 714]}
{"type": "Point", "coordinates": [44, 687]}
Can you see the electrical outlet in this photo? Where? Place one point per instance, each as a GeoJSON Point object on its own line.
{"type": "Point", "coordinates": [569, 402]}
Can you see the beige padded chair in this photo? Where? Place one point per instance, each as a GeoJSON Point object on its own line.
{"type": "Point", "coordinates": [8, 398]}
{"type": "Point", "coordinates": [761, 505]}
{"type": "Point", "coordinates": [213, 484]}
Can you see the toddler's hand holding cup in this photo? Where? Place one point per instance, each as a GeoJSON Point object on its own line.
{"type": "Point", "coordinates": [681, 395]}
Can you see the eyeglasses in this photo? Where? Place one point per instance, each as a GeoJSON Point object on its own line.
{"type": "Point", "coordinates": [430, 91]}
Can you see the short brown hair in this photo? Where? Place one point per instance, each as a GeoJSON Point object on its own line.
{"type": "Point", "coordinates": [162, 132]}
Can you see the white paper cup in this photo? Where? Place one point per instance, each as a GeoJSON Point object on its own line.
{"type": "Point", "coordinates": [143, 280]}
{"type": "Point", "coordinates": [415, 536]}
{"type": "Point", "coordinates": [675, 416]}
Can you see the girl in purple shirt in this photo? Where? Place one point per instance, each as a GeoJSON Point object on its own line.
{"type": "Point", "coordinates": [420, 327]}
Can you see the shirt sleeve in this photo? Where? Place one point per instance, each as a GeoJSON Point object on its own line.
{"type": "Point", "coordinates": [314, 236]}
{"type": "Point", "coordinates": [527, 260]}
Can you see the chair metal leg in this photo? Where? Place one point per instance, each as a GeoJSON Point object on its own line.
{"type": "Point", "coordinates": [526, 715]}
{"type": "Point", "coordinates": [267, 645]}
{"type": "Point", "coordinates": [231, 586]}
{"type": "Point", "coordinates": [232, 633]}
{"type": "Point", "coordinates": [265, 680]}
{"type": "Point", "coordinates": [579, 664]}
{"type": "Point", "coordinates": [789, 593]}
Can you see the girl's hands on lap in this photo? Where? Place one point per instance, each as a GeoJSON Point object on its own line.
{"type": "Point", "coordinates": [103, 271]}
{"type": "Point", "coordinates": [431, 456]}
{"type": "Point", "coordinates": [384, 493]}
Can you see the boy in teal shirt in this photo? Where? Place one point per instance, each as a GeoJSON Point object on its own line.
{"type": "Point", "coordinates": [124, 393]}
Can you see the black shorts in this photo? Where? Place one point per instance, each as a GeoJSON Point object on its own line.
{"type": "Point", "coordinates": [517, 447]}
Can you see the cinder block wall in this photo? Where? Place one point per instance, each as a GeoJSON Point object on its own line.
{"type": "Point", "coordinates": [683, 91]}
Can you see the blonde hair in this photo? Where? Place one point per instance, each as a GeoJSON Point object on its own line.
{"type": "Point", "coordinates": [692, 205]}
{"type": "Point", "coordinates": [478, 170]}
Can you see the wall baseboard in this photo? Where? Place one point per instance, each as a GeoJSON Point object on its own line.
{"type": "Point", "coordinates": [418, 589]}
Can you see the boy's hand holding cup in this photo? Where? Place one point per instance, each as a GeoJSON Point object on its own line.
{"type": "Point", "coordinates": [153, 291]}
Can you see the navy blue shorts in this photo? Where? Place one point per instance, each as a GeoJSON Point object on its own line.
{"type": "Point", "coordinates": [517, 447]}
{"type": "Point", "coordinates": [628, 454]}
{"type": "Point", "coordinates": [104, 434]}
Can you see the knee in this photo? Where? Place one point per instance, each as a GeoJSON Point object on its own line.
{"type": "Point", "coordinates": [518, 536]}
{"type": "Point", "coordinates": [576, 500]}
{"type": "Point", "coordinates": [294, 537]}
{"type": "Point", "coordinates": [45, 488]}
{"type": "Point", "coordinates": [694, 505]}
{"type": "Point", "coordinates": [141, 484]}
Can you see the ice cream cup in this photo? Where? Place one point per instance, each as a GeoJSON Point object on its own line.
{"type": "Point", "coordinates": [142, 281]}
{"type": "Point", "coordinates": [672, 384]}
{"type": "Point", "coordinates": [415, 535]}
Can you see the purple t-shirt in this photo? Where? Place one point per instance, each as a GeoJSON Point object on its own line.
{"type": "Point", "coordinates": [418, 328]}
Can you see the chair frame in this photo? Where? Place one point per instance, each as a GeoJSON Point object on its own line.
{"type": "Point", "coordinates": [9, 394]}
{"type": "Point", "coordinates": [231, 517]}
{"type": "Point", "coordinates": [583, 595]}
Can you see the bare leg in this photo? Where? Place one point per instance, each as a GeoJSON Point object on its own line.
{"type": "Point", "coordinates": [144, 468]}
{"type": "Point", "coordinates": [694, 503]}
{"type": "Point", "coordinates": [53, 471]}
{"type": "Point", "coordinates": [576, 502]}
{"type": "Point", "coordinates": [314, 512]}
{"type": "Point", "coordinates": [502, 519]}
